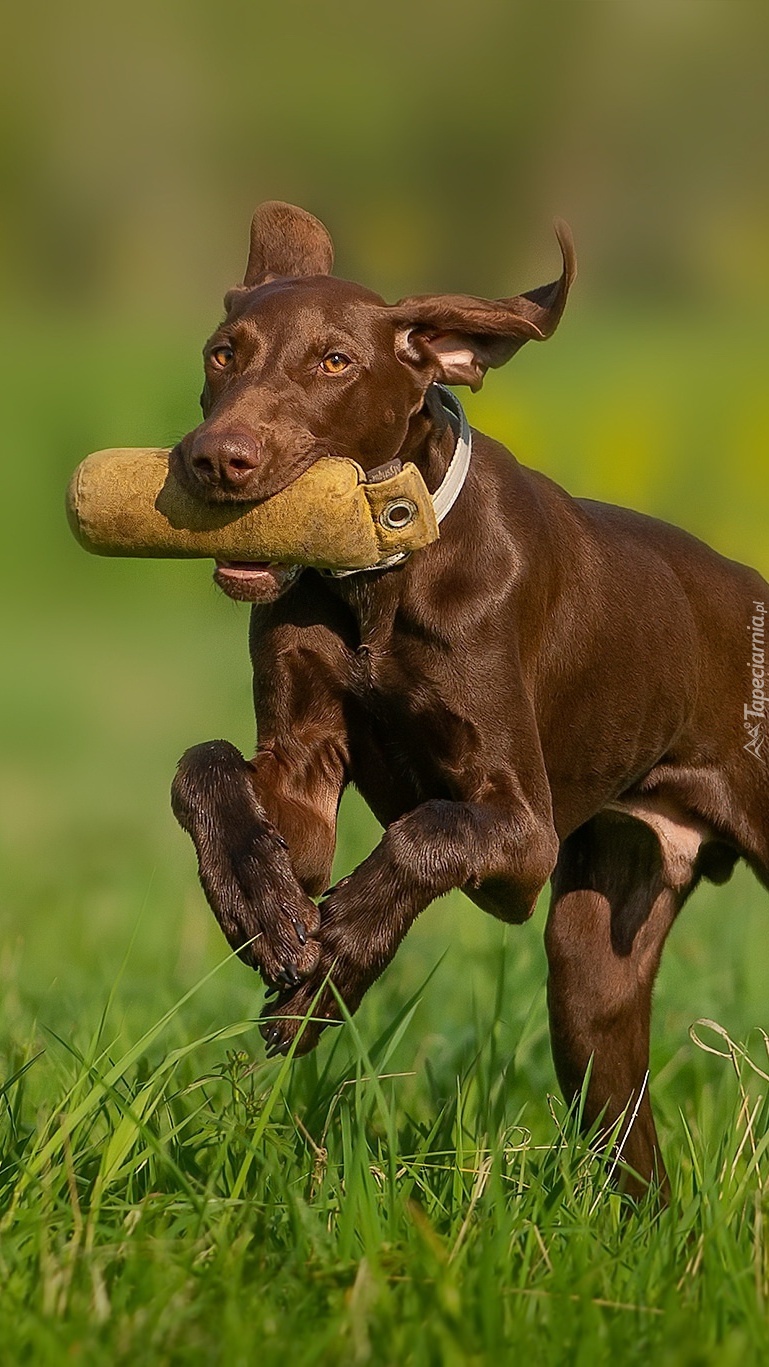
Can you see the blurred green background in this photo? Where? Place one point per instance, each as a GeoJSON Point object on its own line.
{"type": "Point", "coordinates": [437, 141]}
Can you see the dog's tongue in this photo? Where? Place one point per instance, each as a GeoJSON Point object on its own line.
{"type": "Point", "coordinates": [244, 567]}
{"type": "Point", "coordinates": [253, 581]}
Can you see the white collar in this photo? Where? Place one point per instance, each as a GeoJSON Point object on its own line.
{"type": "Point", "coordinates": [450, 487]}
{"type": "Point", "coordinates": [448, 490]}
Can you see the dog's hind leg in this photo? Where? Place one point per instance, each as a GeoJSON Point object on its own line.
{"type": "Point", "coordinates": [615, 895]}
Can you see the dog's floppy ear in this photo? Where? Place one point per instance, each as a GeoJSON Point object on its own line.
{"type": "Point", "coordinates": [461, 337]}
{"type": "Point", "coordinates": [286, 241]}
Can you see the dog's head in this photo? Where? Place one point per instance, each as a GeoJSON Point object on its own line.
{"type": "Point", "coordinates": [305, 365]}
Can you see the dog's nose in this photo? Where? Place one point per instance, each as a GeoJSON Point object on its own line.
{"type": "Point", "coordinates": [225, 461]}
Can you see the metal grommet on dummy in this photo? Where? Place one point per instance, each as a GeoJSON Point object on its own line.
{"type": "Point", "coordinates": [397, 514]}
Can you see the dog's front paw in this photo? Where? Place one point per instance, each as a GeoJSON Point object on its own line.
{"type": "Point", "coordinates": [275, 932]}
{"type": "Point", "coordinates": [298, 1014]}
{"type": "Point", "coordinates": [266, 916]}
{"type": "Point", "coordinates": [285, 954]}
{"type": "Point", "coordinates": [245, 866]}
{"type": "Point", "coordinates": [304, 1012]}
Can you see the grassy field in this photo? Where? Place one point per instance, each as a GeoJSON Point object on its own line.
{"type": "Point", "coordinates": [414, 1193]}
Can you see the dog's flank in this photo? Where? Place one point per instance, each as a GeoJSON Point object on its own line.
{"type": "Point", "coordinates": [553, 690]}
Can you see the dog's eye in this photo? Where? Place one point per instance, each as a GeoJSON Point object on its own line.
{"type": "Point", "coordinates": [221, 356]}
{"type": "Point", "coordinates": [335, 363]}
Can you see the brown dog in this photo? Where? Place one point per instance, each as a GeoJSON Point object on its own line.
{"type": "Point", "coordinates": [556, 689]}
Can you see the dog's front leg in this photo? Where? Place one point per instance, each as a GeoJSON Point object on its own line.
{"type": "Point", "coordinates": [504, 853]}
{"type": "Point", "coordinates": [263, 844]}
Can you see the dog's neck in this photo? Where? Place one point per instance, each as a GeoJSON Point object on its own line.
{"type": "Point", "coordinates": [430, 440]}
{"type": "Point", "coordinates": [373, 596]}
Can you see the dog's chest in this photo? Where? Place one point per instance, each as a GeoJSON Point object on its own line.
{"type": "Point", "coordinates": [404, 711]}
{"type": "Point", "coordinates": [384, 682]}
{"type": "Point", "coordinates": [395, 740]}
{"type": "Point", "coordinates": [402, 719]}
{"type": "Point", "coordinates": [392, 666]}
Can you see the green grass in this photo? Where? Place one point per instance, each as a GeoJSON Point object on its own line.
{"type": "Point", "coordinates": [414, 1192]}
